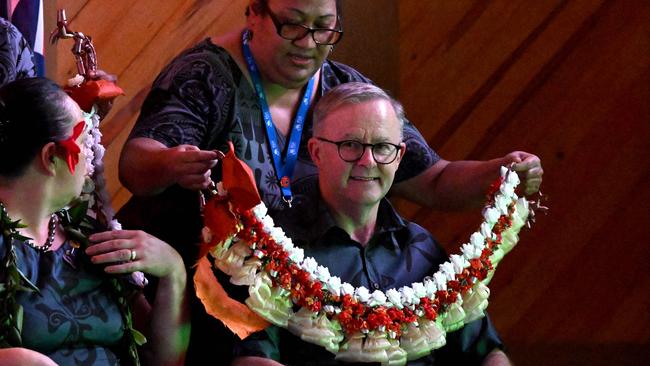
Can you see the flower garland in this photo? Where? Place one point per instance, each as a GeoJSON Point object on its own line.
{"type": "Point", "coordinates": [353, 323]}
{"type": "Point", "coordinates": [95, 187]}
{"type": "Point", "coordinates": [11, 312]}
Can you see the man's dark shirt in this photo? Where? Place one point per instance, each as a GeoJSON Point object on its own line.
{"type": "Point", "coordinates": [399, 254]}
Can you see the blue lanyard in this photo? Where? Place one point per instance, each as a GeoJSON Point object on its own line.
{"type": "Point", "coordinates": [283, 167]}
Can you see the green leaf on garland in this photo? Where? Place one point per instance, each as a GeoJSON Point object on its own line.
{"type": "Point", "coordinates": [17, 225]}
{"type": "Point", "coordinates": [14, 336]}
{"type": "Point", "coordinates": [77, 235]}
{"type": "Point", "coordinates": [77, 212]}
{"type": "Point", "coordinates": [13, 277]}
{"type": "Point", "coordinates": [138, 337]}
{"type": "Point", "coordinates": [29, 285]}
{"type": "Point", "coordinates": [19, 319]}
{"type": "Point", "coordinates": [22, 237]}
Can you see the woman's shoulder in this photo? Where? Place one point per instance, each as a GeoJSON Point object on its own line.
{"type": "Point", "coordinates": [335, 73]}
{"type": "Point", "coordinates": [209, 50]}
{"type": "Point", "coordinates": [199, 62]}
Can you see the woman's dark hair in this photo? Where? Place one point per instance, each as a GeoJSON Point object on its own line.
{"type": "Point", "coordinates": [260, 6]}
{"type": "Point", "coordinates": [33, 112]}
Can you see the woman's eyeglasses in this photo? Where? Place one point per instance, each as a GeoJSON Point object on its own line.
{"type": "Point", "coordinates": [293, 32]}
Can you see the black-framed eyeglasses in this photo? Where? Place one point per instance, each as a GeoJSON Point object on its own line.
{"type": "Point", "coordinates": [351, 150]}
{"type": "Point", "coordinates": [293, 32]}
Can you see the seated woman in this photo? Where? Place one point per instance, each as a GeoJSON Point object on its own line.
{"type": "Point", "coordinates": [65, 297]}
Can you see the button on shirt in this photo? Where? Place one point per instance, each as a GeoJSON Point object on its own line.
{"type": "Point", "coordinates": [399, 254]}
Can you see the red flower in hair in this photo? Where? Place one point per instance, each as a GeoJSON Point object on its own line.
{"type": "Point", "coordinates": [70, 146]}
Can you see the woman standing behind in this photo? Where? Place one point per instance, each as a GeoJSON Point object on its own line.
{"type": "Point", "coordinates": [60, 301]}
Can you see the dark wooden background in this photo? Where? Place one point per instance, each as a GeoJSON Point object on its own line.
{"type": "Point", "coordinates": [567, 80]}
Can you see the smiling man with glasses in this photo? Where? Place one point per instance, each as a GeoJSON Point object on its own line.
{"type": "Point", "coordinates": [347, 224]}
{"type": "Point", "coordinates": [357, 148]}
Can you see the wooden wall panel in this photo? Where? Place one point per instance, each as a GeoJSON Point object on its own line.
{"type": "Point", "coordinates": [567, 80]}
{"type": "Point", "coordinates": [370, 36]}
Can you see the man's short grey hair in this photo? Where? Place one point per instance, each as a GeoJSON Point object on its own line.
{"type": "Point", "coordinates": [354, 93]}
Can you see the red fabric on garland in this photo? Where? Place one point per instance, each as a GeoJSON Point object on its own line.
{"type": "Point", "coordinates": [239, 181]}
{"type": "Point", "coordinates": [93, 91]}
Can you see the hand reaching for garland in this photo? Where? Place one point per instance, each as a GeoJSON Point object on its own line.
{"type": "Point", "coordinates": [104, 106]}
{"type": "Point", "coordinates": [191, 166]}
{"type": "Point", "coordinates": [529, 168]}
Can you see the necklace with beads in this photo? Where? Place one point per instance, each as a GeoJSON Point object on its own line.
{"type": "Point", "coordinates": [51, 232]}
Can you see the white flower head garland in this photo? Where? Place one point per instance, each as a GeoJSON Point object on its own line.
{"type": "Point", "coordinates": [353, 323]}
{"type": "Point", "coordinates": [95, 185]}
{"type": "Point", "coordinates": [94, 190]}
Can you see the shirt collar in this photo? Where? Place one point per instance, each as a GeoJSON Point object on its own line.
{"type": "Point", "coordinates": [320, 220]}
{"type": "Point", "coordinates": [389, 219]}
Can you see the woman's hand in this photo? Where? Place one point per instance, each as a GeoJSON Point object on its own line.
{"type": "Point", "coordinates": [529, 168]}
{"type": "Point", "coordinates": [148, 167]}
{"type": "Point", "coordinates": [166, 321]}
{"type": "Point", "coordinates": [191, 166]}
{"type": "Point", "coordinates": [127, 251]}
{"type": "Point", "coordinates": [104, 106]}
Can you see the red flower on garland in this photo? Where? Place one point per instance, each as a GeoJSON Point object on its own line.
{"type": "Point", "coordinates": [378, 317]}
{"type": "Point", "coordinates": [493, 189]}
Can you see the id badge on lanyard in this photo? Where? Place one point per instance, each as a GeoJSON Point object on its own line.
{"type": "Point", "coordinates": [283, 167]}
